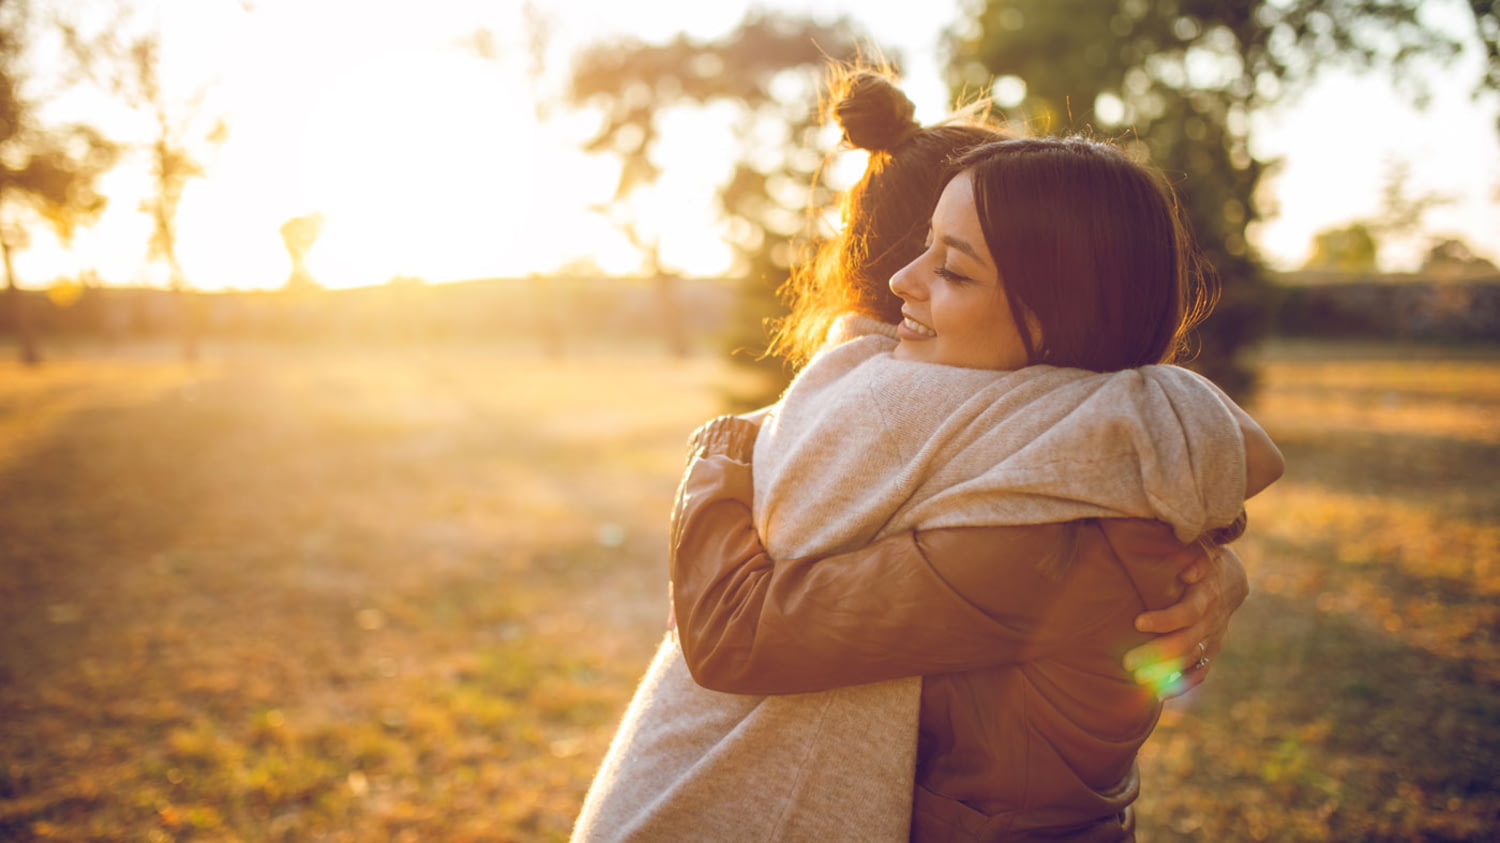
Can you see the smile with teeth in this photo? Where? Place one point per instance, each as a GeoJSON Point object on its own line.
{"type": "Point", "coordinates": [917, 327]}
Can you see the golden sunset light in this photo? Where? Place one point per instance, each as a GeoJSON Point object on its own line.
{"type": "Point", "coordinates": [421, 163]}
{"type": "Point", "coordinates": [426, 157]}
{"type": "Point", "coordinates": [757, 420]}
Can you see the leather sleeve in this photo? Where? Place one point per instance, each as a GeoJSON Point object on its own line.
{"type": "Point", "coordinates": [911, 604]}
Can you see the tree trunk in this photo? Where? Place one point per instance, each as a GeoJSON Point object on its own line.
{"type": "Point", "coordinates": [20, 316]}
{"type": "Point", "coordinates": [187, 312]}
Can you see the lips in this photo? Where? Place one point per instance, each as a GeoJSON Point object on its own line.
{"type": "Point", "coordinates": [917, 327]}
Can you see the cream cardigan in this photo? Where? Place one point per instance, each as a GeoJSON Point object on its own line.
{"type": "Point", "coordinates": [862, 446]}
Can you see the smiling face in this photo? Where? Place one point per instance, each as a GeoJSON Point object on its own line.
{"type": "Point", "coordinates": [954, 309]}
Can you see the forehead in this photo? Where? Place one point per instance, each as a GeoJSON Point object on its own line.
{"type": "Point", "coordinates": [956, 204]}
{"type": "Point", "coordinates": [955, 221]}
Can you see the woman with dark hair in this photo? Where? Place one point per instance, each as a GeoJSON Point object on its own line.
{"type": "Point", "coordinates": [892, 493]}
{"type": "Point", "coordinates": [885, 217]}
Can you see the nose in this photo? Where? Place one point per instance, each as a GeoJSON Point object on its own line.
{"type": "Point", "coordinates": [906, 283]}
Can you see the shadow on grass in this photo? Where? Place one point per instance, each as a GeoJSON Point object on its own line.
{"type": "Point", "coordinates": [1320, 726]}
{"type": "Point", "coordinates": [1424, 471]}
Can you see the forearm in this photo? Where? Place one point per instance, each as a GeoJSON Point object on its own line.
{"type": "Point", "coordinates": [749, 624]}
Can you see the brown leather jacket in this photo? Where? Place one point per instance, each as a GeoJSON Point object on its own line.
{"type": "Point", "coordinates": [1029, 724]}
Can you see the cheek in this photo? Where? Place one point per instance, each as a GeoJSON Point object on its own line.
{"type": "Point", "coordinates": [992, 321]}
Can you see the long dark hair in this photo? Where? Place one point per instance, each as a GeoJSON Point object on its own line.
{"type": "Point", "coordinates": [1091, 246]}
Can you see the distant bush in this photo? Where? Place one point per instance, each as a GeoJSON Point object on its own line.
{"type": "Point", "coordinates": [570, 312]}
{"type": "Point", "coordinates": [1378, 308]}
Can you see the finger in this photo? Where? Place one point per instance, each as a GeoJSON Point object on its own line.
{"type": "Point", "coordinates": [1170, 619]}
{"type": "Point", "coordinates": [1191, 609]}
{"type": "Point", "coordinates": [1211, 645]}
{"type": "Point", "coordinates": [1167, 681]}
{"type": "Point", "coordinates": [1195, 572]}
{"type": "Point", "coordinates": [1172, 678]}
{"type": "Point", "coordinates": [1175, 650]}
{"type": "Point", "coordinates": [1164, 652]}
{"type": "Point", "coordinates": [1185, 682]}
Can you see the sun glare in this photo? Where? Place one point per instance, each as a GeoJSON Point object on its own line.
{"type": "Point", "coordinates": [423, 164]}
{"type": "Point", "coordinates": [426, 160]}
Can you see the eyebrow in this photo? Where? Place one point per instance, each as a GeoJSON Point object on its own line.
{"type": "Point", "coordinates": [964, 246]}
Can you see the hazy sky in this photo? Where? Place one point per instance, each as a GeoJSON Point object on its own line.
{"type": "Point", "coordinates": [426, 159]}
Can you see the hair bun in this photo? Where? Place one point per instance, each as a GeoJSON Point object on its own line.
{"type": "Point", "coordinates": [874, 114]}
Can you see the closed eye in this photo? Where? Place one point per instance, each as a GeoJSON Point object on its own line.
{"type": "Point", "coordinates": [947, 274]}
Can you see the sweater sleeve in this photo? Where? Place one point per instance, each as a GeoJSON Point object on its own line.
{"type": "Point", "coordinates": [1157, 442]}
{"type": "Point", "coordinates": [910, 604]}
{"type": "Point", "coordinates": [1194, 469]}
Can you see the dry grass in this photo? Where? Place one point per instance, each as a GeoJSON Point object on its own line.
{"type": "Point", "coordinates": [1356, 699]}
{"type": "Point", "coordinates": [405, 596]}
{"type": "Point", "coordinates": [300, 596]}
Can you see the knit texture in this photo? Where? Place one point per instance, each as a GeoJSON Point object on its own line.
{"type": "Point", "coordinates": [862, 446]}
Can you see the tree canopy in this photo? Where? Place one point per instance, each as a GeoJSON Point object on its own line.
{"type": "Point", "coordinates": [1349, 248]}
{"type": "Point", "coordinates": [1450, 258]}
{"type": "Point", "coordinates": [768, 72]}
{"type": "Point", "coordinates": [1180, 79]}
{"type": "Point", "coordinates": [48, 173]}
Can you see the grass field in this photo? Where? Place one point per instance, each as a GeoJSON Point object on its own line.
{"type": "Point", "coordinates": [294, 595]}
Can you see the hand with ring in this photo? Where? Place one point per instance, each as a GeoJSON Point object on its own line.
{"type": "Point", "coordinates": [1189, 634]}
{"type": "Point", "coordinates": [1203, 657]}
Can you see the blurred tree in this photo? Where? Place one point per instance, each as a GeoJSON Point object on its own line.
{"type": "Point", "coordinates": [1355, 247]}
{"type": "Point", "coordinates": [1349, 249]}
{"type": "Point", "coordinates": [1449, 259]}
{"type": "Point", "coordinates": [537, 30]}
{"type": "Point", "coordinates": [1487, 26]}
{"type": "Point", "coordinates": [299, 234]}
{"type": "Point", "coordinates": [45, 171]}
{"type": "Point", "coordinates": [766, 73]}
{"type": "Point", "coordinates": [1182, 78]}
{"type": "Point", "coordinates": [1401, 209]}
{"type": "Point", "coordinates": [125, 60]}
{"type": "Point", "coordinates": [538, 27]}
{"type": "Point", "coordinates": [174, 162]}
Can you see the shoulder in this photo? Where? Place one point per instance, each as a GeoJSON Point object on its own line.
{"type": "Point", "coordinates": [1178, 379]}
{"type": "Point", "coordinates": [853, 326]}
{"type": "Point", "coordinates": [836, 360]}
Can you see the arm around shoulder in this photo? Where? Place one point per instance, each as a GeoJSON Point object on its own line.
{"type": "Point", "coordinates": [907, 605]}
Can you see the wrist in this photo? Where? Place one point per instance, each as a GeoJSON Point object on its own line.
{"type": "Point", "coordinates": [1231, 531]}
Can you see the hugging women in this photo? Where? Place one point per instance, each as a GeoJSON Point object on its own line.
{"type": "Point", "coordinates": [909, 619]}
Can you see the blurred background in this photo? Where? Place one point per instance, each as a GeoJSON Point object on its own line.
{"type": "Point", "coordinates": [348, 351]}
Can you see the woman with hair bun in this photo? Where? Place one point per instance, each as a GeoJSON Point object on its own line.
{"type": "Point", "coordinates": [939, 563]}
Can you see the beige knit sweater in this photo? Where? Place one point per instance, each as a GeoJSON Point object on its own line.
{"type": "Point", "coordinates": [862, 446]}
